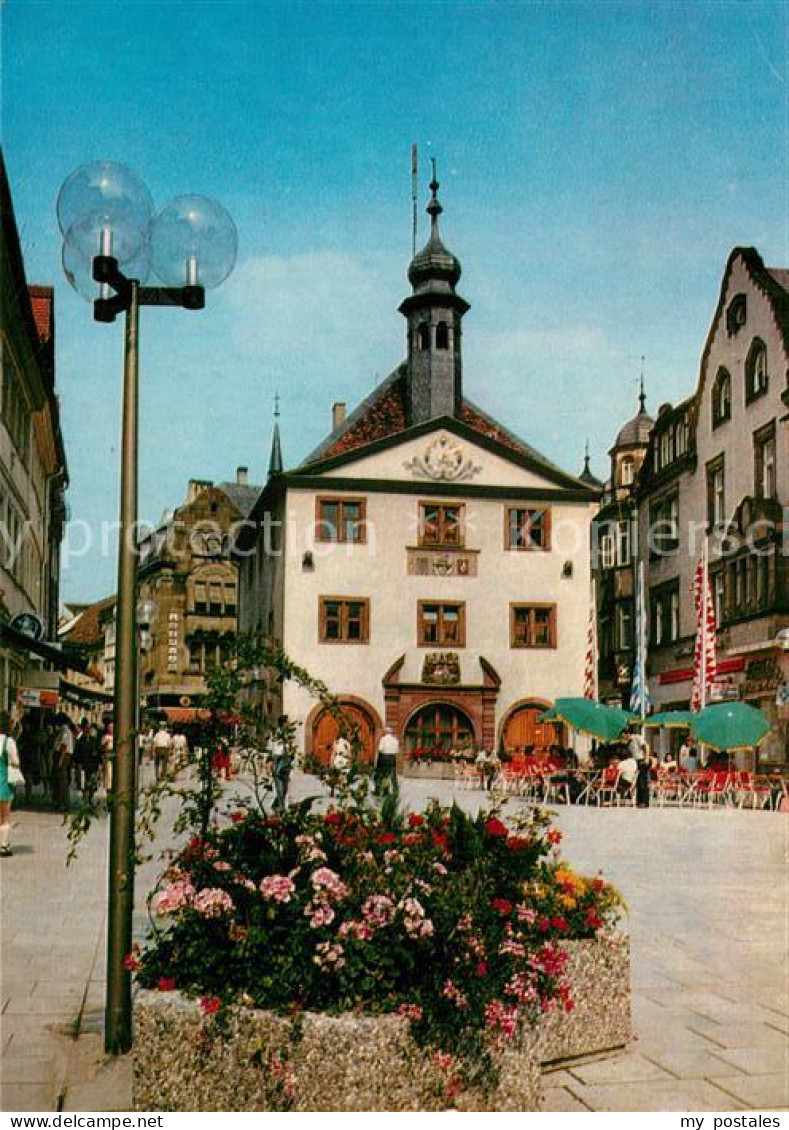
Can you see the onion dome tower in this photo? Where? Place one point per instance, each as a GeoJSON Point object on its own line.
{"type": "Point", "coordinates": [433, 312]}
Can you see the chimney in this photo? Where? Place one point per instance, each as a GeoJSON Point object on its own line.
{"type": "Point", "coordinates": [242, 476]}
{"type": "Point", "coordinates": [337, 414]}
{"type": "Point", "coordinates": [196, 486]}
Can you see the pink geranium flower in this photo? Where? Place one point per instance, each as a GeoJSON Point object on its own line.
{"type": "Point", "coordinates": [277, 888]}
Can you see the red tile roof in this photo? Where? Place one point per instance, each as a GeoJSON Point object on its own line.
{"type": "Point", "coordinates": [41, 298]}
{"type": "Point", "coordinates": [87, 631]}
{"type": "Point", "coordinates": [384, 414]}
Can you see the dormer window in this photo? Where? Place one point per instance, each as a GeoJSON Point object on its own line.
{"type": "Point", "coordinates": [423, 336]}
{"type": "Point", "coordinates": [721, 398]}
{"type": "Point", "coordinates": [756, 379]}
{"type": "Point", "coordinates": [442, 336]}
{"type": "Point", "coordinates": [736, 314]}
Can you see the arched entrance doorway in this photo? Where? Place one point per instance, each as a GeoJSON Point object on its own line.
{"type": "Point", "coordinates": [439, 726]}
{"type": "Point", "coordinates": [520, 728]}
{"type": "Point", "coordinates": [326, 727]}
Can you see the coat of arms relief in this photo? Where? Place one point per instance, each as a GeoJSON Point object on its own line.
{"type": "Point", "coordinates": [444, 460]}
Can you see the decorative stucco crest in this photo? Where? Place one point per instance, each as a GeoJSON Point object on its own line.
{"type": "Point", "coordinates": [444, 460]}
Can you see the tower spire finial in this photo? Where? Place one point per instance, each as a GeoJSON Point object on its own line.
{"type": "Point", "coordinates": [434, 208]}
{"type": "Point", "coordinates": [275, 462]}
{"type": "Point", "coordinates": [586, 456]}
{"type": "Point", "coordinates": [642, 396]}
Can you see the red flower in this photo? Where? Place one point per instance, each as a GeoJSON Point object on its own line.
{"type": "Point", "coordinates": [494, 827]}
{"type": "Point", "coordinates": [598, 884]}
{"type": "Point", "coordinates": [415, 820]}
{"type": "Point", "coordinates": [166, 984]}
{"type": "Point", "coordinates": [503, 906]}
{"type": "Point", "coordinates": [554, 836]}
{"type": "Point", "coordinates": [482, 969]}
{"type": "Point", "coordinates": [566, 998]}
{"type": "Point", "coordinates": [237, 817]}
{"type": "Point", "coordinates": [559, 923]}
{"type": "Point", "coordinates": [332, 818]}
{"type": "Point", "coordinates": [543, 925]}
{"type": "Point", "coordinates": [346, 841]}
{"type": "Point", "coordinates": [518, 843]}
{"type": "Point", "coordinates": [131, 962]}
{"type": "Point", "coordinates": [411, 838]}
{"type": "Point", "coordinates": [386, 838]}
{"type": "Point", "coordinates": [273, 822]}
{"type": "Point", "coordinates": [441, 841]}
{"type": "Point", "coordinates": [209, 1005]}
{"type": "Point", "coordinates": [593, 919]}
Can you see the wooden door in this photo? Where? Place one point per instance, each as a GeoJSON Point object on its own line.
{"type": "Point", "coordinates": [522, 730]}
{"type": "Point", "coordinates": [326, 728]}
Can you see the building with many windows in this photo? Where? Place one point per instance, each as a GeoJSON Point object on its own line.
{"type": "Point", "coordinates": [188, 595]}
{"type": "Point", "coordinates": [33, 473]}
{"type": "Point", "coordinates": [427, 564]}
{"type": "Point", "coordinates": [614, 549]}
{"type": "Point", "coordinates": [717, 470]}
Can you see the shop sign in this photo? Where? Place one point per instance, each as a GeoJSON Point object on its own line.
{"type": "Point", "coordinates": [36, 699]}
{"type": "Point", "coordinates": [29, 624]}
{"type": "Point", "coordinates": [723, 690]}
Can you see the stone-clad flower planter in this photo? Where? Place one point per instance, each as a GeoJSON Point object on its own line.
{"type": "Point", "coordinates": [599, 973]}
{"type": "Point", "coordinates": [429, 770]}
{"type": "Point", "coordinates": [362, 1063]}
{"type": "Point", "coordinates": [338, 1063]}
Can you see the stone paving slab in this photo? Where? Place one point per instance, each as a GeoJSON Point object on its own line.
{"type": "Point", "coordinates": [26, 1097]}
{"type": "Point", "coordinates": [757, 1061]}
{"type": "Point", "coordinates": [688, 1063]}
{"type": "Point", "coordinates": [744, 1035]}
{"type": "Point", "coordinates": [674, 1095]}
{"type": "Point", "coordinates": [759, 1092]}
{"type": "Point", "coordinates": [632, 1068]}
{"type": "Point", "coordinates": [559, 1099]}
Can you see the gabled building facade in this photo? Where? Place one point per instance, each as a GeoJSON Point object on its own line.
{"type": "Point", "coordinates": [427, 564]}
{"type": "Point", "coordinates": [188, 595]}
{"type": "Point", "coordinates": [717, 469]}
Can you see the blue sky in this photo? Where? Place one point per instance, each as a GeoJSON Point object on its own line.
{"type": "Point", "coordinates": [598, 162]}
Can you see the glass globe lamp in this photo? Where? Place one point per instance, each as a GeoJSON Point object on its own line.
{"type": "Point", "coordinates": [193, 243]}
{"type": "Point", "coordinates": [78, 269]}
{"type": "Point", "coordinates": [105, 209]}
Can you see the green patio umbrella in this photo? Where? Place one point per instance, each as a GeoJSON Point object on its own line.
{"type": "Point", "coordinates": [673, 719]}
{"type": "Point", "coordinates": [606, 723]}
{"type": "Point", "coordinates": [729, 726]}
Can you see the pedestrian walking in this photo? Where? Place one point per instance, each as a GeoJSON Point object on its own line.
{"type": "Point", "coordinates": [162, 745]}
{"type": "Point", "coordinates": [638, 750]}
{"type": "Point", "coordinates": [386, 762]}
{"type": "Point", "coordinates": [220, 762]}
{"type": "Point", "coordinates": [28, 756]}
{"type": "Point", "coordinates": [281, 750]}
{"type": "Point", "coordinates": [9, 773]}
{"type": "Point", "coordinates": [108, 755]}
{"type": "Point", "coordinates": [87, 760]}
{"type": "Point", "coordinates": [340, 763]}
{"type": "Point", "coordinates": [180, 750]}
{"type": "Point", "coordinates": [62, 761]}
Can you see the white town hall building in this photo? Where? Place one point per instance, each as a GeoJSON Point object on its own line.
{"type": "Point", "coordinates": [426, 564]}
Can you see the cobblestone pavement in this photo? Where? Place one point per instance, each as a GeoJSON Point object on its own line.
{"type": "Point", "coordinates": [708, 918]}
